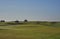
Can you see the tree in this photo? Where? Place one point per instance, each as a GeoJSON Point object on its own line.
{"type": "Point", "coordinates": [2, 21]}
{"type": "Point", "coordinates": [38, 22]}
{"type": "Point", "coordinates": [16, 21]}
{"type": "Point", "coordinates": [53, 22]}
{"type": "Point", "coordinates": [25, 20]}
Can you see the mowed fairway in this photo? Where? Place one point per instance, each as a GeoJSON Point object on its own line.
{"type": "Point", "coordinates": [29, 32]}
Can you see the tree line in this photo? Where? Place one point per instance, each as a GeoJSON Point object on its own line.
{"type": "Point", "coordinates": [17, 21]}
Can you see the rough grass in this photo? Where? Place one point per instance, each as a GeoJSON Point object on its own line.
{"type": "Point", "coordinates": [29, 32]}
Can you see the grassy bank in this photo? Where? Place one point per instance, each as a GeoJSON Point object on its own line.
{"type": "Point", "coordinates": [29, 32]}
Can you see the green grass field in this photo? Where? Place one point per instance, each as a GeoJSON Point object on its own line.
{"type": "Point", "coordinates": [29, 32]}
